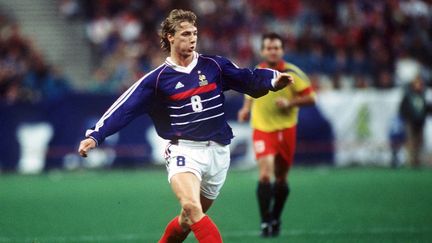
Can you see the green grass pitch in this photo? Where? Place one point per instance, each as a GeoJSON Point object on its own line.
{"type": "Point", "coordinates": [326, 205]}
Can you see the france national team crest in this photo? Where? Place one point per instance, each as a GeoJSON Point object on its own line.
{"type": "Point", "coordinates": [203, 80]}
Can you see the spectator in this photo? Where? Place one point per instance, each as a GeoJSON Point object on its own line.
{"type": "Point", "coordinates": [413, 110]}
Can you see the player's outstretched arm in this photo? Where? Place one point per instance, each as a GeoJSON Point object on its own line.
{"type": "Point", "coordinates": [85, 146]}
{"type": "Point", "coordinates": [136, 101]}
{"type": "Point", "coordinates": [255, 83]}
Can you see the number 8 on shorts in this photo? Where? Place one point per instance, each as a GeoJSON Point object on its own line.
{"type": "Point", "coordinates": [181, 161]}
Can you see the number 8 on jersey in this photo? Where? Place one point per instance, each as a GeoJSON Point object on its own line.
{"type": "Point", "coordinates": [196, 103]}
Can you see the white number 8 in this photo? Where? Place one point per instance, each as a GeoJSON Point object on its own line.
{"type": "Point", "coordinates": [196, 103]}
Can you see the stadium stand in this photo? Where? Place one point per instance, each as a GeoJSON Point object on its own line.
{"type": "Point", "coordinates": [350, 43]}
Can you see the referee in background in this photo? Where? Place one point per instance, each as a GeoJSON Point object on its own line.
{"type": "Point", "coordinates": [274, 119]}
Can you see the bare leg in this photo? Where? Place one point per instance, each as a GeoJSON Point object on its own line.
{"type": "Point", "coordinates": [266, 168]}
{"type": "Point", "coordinates": [206, 203]}
{"type": "Point", "coordinates": [185, 221]}
{"type": "Point", "coordinates": [186, 186]}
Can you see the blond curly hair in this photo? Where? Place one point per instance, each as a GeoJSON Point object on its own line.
{"type": "Point", "coordinates": [169, 25]}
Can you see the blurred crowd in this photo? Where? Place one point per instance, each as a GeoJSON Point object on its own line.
{"type": "Point", "coordinates": [364, 43]}
{"type": "Point", "coordinates": [25, 75]}
{"type": "Point", "coordinates": [340, 44]}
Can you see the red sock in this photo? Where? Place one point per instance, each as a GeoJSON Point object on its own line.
{"type": "Point", "coordinates": [174, 233]}
{"type": "Point", "coordinates": [206, 231]}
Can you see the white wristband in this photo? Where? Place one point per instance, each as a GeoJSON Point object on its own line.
{"type": "Point", "coordinates": [275, 76]}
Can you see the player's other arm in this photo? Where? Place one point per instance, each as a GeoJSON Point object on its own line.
{"type": "Point", "coordinates": [304, 93]}
{"type": "Point", "coordinates": [255, 83]}
{"type": "Point", "coordinates": [299, 101]}
{"type": "Point", "coordinates": [131, 104]}
{"type": "Point", "coordinates": [244, 112]}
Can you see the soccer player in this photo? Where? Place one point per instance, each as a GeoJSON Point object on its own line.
{"type": "Point", "coordinates": [184, 97]}
{"type": "Point", "coordinates": [274, 119]}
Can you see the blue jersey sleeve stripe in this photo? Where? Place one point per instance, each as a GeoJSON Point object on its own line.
{"type": "Point", "coordinates": [157, 79]}
{"type": "Point", "coordinates": [100, 123]}
{"type": "Point", "coordinates": [275, 75]}
{"type": "Point", "coordinates": [118, 103]}
{"type": "Point", "coordinates": [126, 93]}
{"type": "Point", "coordinates": [121, 99]}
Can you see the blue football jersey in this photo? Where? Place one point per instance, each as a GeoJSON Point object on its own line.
{"type": "Point", "coordinates": [185, 102]}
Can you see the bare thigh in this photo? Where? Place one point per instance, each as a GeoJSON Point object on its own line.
{"type": "Point", "coordinates": [266, 168]}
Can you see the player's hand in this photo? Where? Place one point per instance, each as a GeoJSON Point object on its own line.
{"type": "Point", "coordinates": [283, 103]}
{"type": "Point", "coordinates": [283, 80]}
{"type": "Point", "coordinates": [85, 146]}
{"type": "Point", "coordinates": [243, 115]}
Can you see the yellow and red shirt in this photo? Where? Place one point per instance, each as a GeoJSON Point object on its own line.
{"type": "Point", "coordinates": [265, 115]}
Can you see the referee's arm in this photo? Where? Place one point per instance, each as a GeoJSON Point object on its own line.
{"type": "Point", "coordinates": [244, 113]}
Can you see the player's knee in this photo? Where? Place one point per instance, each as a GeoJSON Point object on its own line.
{"type": "Point", "coordinates": [190, 206]}
{"type": "Point", "coordinates": [192, 210]}
{"type": "Point", "coordinates": [265, 178]}
{"type": "Point", "coordinates": [266, 169]}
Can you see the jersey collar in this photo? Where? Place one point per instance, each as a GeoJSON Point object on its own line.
{"type": "Point", "coordinates": [182, 69]}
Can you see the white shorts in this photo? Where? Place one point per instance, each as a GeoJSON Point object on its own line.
{"type": "Point", "coordinates": [209, 161]}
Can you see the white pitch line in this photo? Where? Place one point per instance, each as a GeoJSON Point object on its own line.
{"type": "Point", "coordinates": [227, 234]}
{"type": "Point", "coordinates": [324, 232]}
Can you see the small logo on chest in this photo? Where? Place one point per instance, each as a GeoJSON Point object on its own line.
{"type": "Point", "coordinates": [203, 79]}
{"type": "Point", "coordinates": [179, 85]}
